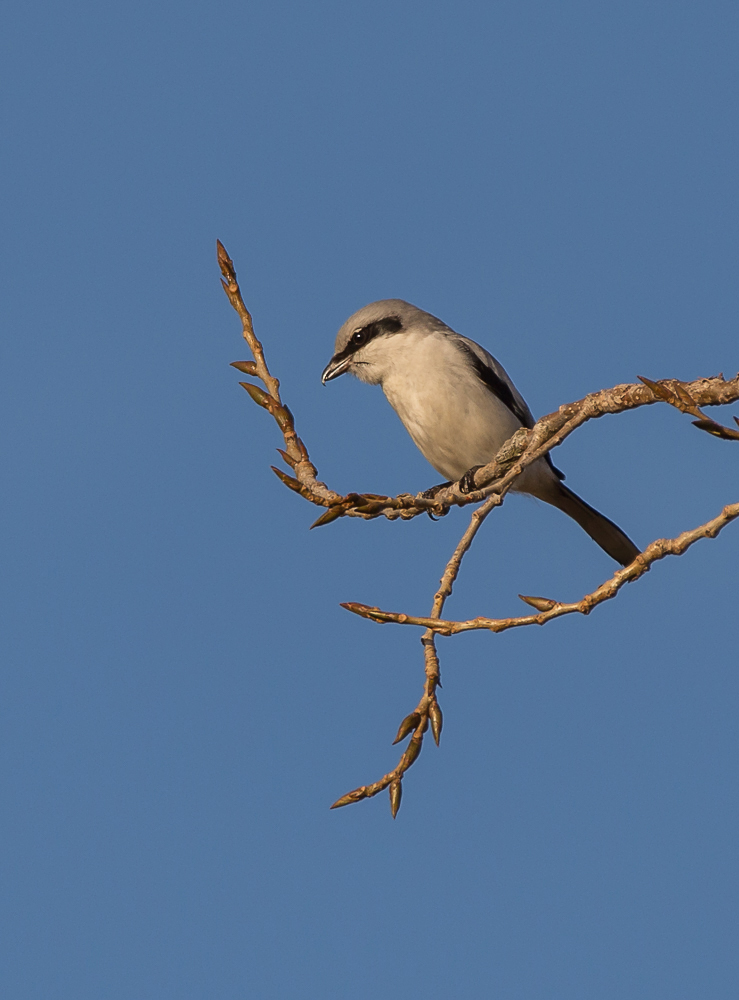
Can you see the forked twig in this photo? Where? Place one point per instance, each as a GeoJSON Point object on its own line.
{"type": "Point", "coordinates": [677, 394]}
{"type": "Point", "coordinates": [491, 483]}
{"type": "Point", "coordinates": [428, 710]}
{"type": "Point", "coordinates": [549, 609]}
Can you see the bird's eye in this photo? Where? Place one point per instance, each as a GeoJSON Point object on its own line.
{"type": "Point", "coordinates": [359, 337]}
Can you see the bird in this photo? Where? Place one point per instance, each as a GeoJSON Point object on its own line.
{"type": "Point", "coordinates": [457, 403]}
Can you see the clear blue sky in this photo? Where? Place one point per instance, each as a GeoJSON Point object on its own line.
{"type": "Point", "coordinates": [182, 696]}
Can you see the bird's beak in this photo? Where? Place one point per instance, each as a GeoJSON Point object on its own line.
{"type": "Point", "coordinates": [335, 368]}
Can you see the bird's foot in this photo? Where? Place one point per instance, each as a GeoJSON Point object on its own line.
{"type": "Point", "coordinates": [430, 494]}
{"type": "Point", "coordinates": [467, 482]}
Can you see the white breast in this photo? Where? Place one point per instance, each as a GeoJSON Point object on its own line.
{"type": "Point", "coordinates": [454, 419]}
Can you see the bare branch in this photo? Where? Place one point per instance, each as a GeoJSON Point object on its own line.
{"type": "Point", "coordinates": [525, 447]}
{"type": "Point", "coordinates": [296, 453]}
{"type": "Point", "coordinates": [428, 710]}
{"type": "Point", "coordinates": [490, 485]}
{"type": "Point", "coordinates": [549, 609]}
{"type": "Point", "coordinates": [677, 394]}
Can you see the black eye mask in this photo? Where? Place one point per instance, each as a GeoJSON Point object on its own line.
{"type": "Point", "coordinates": [391, 324]}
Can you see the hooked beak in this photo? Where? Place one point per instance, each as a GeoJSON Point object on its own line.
{"type": "Point", "coordinates": [334, 368]}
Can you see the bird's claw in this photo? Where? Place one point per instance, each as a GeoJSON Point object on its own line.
{"type": "Point", "coordinates": [467, 482]}
{"type": "Point", "coordinates": [431, 493]}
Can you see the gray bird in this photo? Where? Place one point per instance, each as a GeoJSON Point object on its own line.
{"type": "Point", "coordinates": [456, 402]}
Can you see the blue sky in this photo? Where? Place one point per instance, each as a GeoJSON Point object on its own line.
{"type": "Point", "coordinates": [183, 697]}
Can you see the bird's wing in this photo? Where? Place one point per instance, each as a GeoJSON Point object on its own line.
{"type": "Point", "coordinates": [495, 377]}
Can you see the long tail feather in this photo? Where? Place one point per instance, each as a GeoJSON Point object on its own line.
{"type": "Point", "coordinates": [608, 535]}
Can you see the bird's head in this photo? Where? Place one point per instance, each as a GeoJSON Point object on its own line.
{"type": "Point", "coordinates": [365, 344]}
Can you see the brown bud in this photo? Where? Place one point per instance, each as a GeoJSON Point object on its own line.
{"type": "Point", "coordinates": [718, 430]}
{"type": "Point", "coordinates": [260, 397]}
{"type": "Point", "coordinates": [331, 514]}
{"type": "Point", "coordinates": [283, 417]}
{"type": "Point", "coordinates": [437, 721]}
{"type": "Point", "coordinates": [292, 462]}
{"type": "Point", "coordinates": [355, 796]}
{"type": "Point", "coordinates": [247, 367]}
{"type": "Point", "coordinates": [396, 794]}
{"type": "Point", "coordinates": [412, 751]}
{"type": "Point", "coordinates": [408, 724]}
{"type": "Point", "coordinates": [540, 603]}
{"type": "Point", "coordinates": [657, 389]}
{"type": "Point", "coordinates": [685, 398]}
{"type": "Point", "coordinates": [224, 261]}
{"type": "Point", "coordinates": [365, 611]}
{"type": "Point", "coordinates": [291, 483]}
{"type": "Point", "coordinates": [706, 424]}
{"type": "Point", "coordinates": [368, 508]}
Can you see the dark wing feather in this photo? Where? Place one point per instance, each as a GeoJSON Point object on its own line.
{"type": "Point", "coordinates": [498, 387]}
{"type": "Point", "coordinates": [502, 391]}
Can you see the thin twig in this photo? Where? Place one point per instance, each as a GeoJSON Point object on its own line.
{"type": "Point", "coordinates": [549, 609]}
{"type": "Point", "coordinates": [295, 454]}
{"type": "Point", "coordinates": [428, 710]}
{"type": "Point", "coordinates": [676, 394]}
{"type": "Point", "coordinates": [428, 707]}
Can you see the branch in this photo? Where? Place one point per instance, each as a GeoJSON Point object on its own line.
{"type": "Point", "coordinates": [428, 710]}
{"type": "Point", "coordinates": [674, 393]}
{"type": "Point", "coordinates": [549, 609]}
{"type": "Point", "coordinates": [525, 447]}
{"type": "Point", "coordinates": [489, 484]}
{"type": "Point", "coordinates": [295, 454]}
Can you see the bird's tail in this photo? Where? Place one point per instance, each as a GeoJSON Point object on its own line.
{"type": "Point", "coordinates": [608, 535]}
